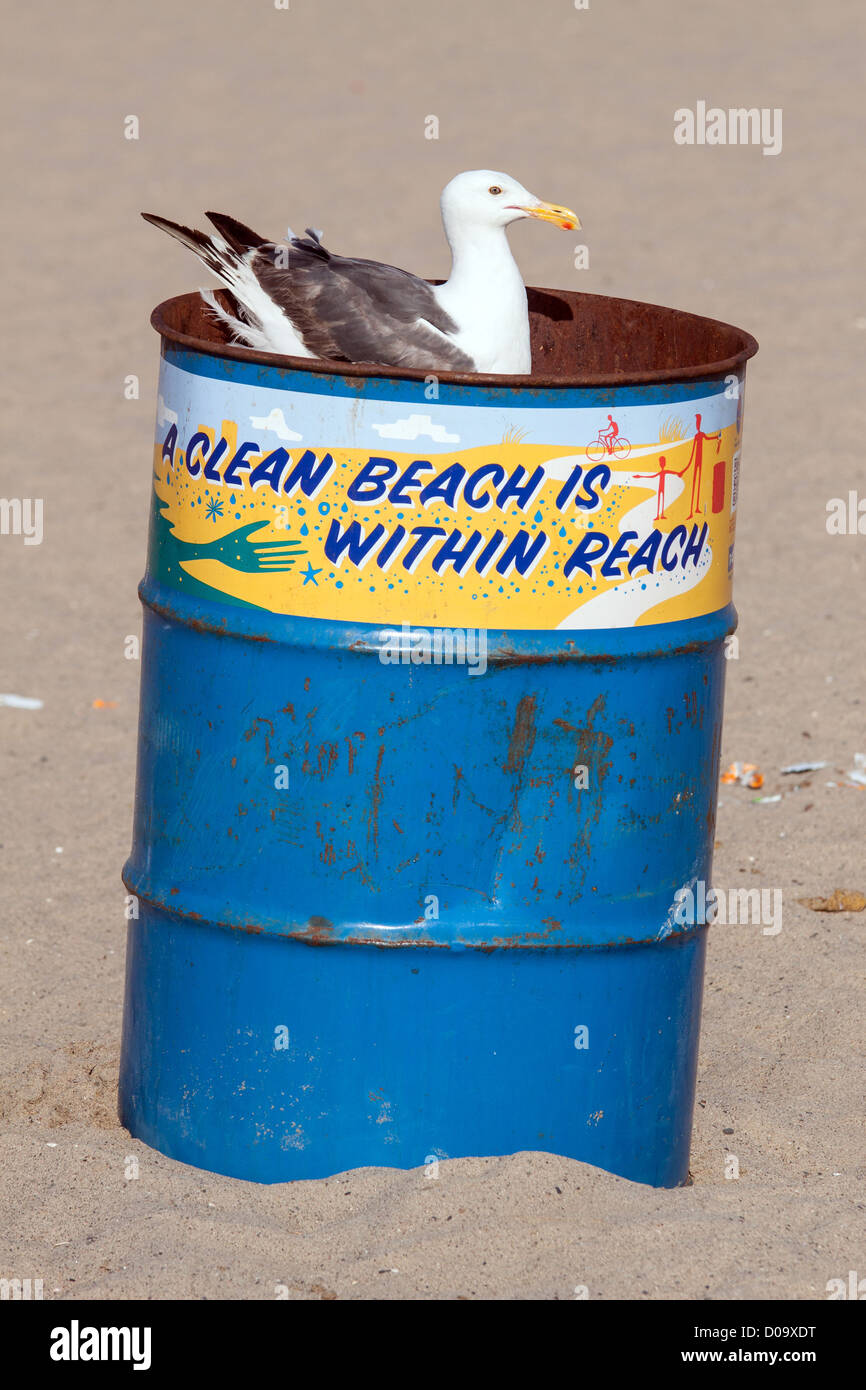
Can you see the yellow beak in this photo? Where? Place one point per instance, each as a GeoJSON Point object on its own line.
{"type": "Point", "coordinates": [552, 212]}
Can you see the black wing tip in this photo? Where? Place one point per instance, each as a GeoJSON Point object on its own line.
{"type": "Point", "coordinates": [176, 228]}
{"type": "Point", "coordinates": [196, 241]}
{"type": "Point", "coordinates": [238, 234]}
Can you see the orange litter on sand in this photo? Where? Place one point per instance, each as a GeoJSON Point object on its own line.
{"type": "Point", "coordinates": [841, 900]}
{"type": "Point", "coordinates": [104, 704]}
{"type": "Point", "coordinates": [746, 774]}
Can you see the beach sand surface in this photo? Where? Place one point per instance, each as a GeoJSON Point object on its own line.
{"type": "Point", "coordinates": [317, 114]}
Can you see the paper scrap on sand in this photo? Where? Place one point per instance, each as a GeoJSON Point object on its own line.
{"type": "Point", "coordinates": [858, 772]}
{"type": "Point", "coordinates": [20, 702]}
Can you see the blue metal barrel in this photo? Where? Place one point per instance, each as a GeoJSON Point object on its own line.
{"type": "Point", "coordinates": [431, 704]}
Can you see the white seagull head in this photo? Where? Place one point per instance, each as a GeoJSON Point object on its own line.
{"type": "Point", "coordinates": [485, 198]}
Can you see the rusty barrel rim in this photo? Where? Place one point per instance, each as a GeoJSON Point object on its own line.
{"type": "Point", "coordinates": [721, 347]}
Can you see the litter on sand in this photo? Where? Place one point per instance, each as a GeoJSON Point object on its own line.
{"type": "Point", "coordinates": [20, 702]}
{"type": "Point", "coordinates": [104, 704]}
{"type": "Point", "coordinates": [746, 774]}
{"type": "Point", "coordinates": [841, 900]}
{"type": "Point", "coordinates": [801, 767]}
{"type": "Point", "coordinates": [855, 777]}
{"type": "Point", "coordinates": [858, 772]}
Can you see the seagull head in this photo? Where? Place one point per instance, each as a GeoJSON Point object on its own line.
{"type": "Point", "coordinates": [483, 197]}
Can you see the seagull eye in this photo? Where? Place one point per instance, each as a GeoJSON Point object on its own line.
{"type": "Point", "coordinates": [494, 189]}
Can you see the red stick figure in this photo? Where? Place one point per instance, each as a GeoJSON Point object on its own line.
{"type": "Point", "coordinates": [697, 457]}
{"type": "Point", "coordinates": [662, 475]}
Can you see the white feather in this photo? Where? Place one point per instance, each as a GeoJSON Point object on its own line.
{"type": "Point", "coordinates": [241, 332]}
{"type": "Point", "coordinates": [269, 329]}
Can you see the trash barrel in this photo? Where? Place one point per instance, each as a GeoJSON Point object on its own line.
{"type": "Point", "coordinates": [431, 705]}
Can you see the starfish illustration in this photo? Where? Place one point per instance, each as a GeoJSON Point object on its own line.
{"type": "Point", "coordinates": [310, 574]}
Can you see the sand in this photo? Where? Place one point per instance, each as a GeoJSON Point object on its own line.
{"type": "Point", "coordinates": [318, 113]}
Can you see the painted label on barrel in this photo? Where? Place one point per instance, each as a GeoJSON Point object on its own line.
{"type": "Point", "coordinates": [316, 500]}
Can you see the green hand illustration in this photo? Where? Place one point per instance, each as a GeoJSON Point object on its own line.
{"type": "Point", "coordinates": [240, 553]}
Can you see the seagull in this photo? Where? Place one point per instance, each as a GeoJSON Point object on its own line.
{"type": "Point", "coordinates": [300, 300]}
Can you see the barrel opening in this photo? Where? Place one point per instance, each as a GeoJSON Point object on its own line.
{"type": "Point", "coordinates": [577, 340]}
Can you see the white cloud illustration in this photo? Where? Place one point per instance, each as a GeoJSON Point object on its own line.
{"type": "Point", "coordinates": [413, 427]}
{"type": "Point", "coordinates": [164, 416]}
{"type": "Point", "coordinates": [276, 423]}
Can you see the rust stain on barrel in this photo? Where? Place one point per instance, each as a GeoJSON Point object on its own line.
{"type": "Point", "coordinates": [591, 747]}
{"type": "Point", "coordinates": [522, 735]}
{"type": "Point", "coordinates": [376, 794]}
{"type": "Point", "coordinates": [317, 932]}
{"type": "Point", "coordinates": [256, 727]}
{"type": "Point", "coordinates": [694, 712]}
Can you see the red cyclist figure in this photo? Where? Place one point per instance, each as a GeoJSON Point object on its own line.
{"type": "Point", "coordinates": [610, 434]}
{"type": "Point", "coordinates": [608, 441]}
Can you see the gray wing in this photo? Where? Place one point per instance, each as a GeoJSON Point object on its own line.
{"type": "Point", "coordinates": [358, 310]}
